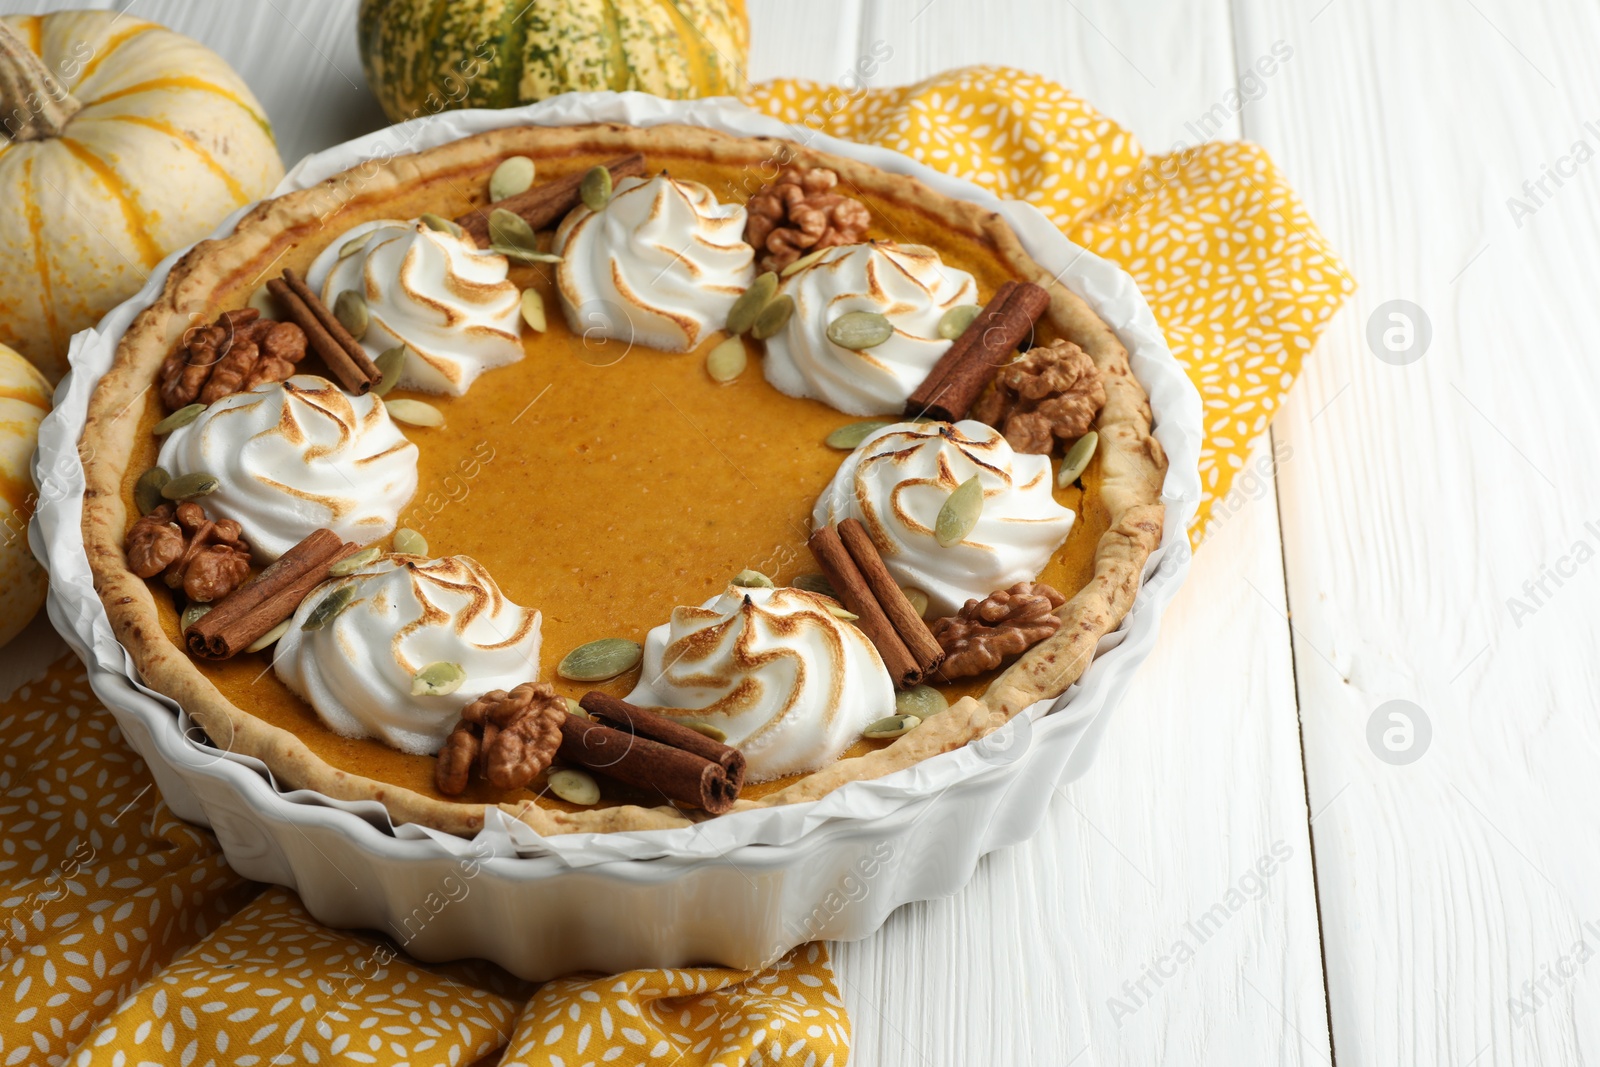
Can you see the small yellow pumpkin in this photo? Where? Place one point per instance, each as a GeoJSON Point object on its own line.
{"type": "Point", "coordinates": [424, 56]}
{"type": "Point", "coordinates": [24, 402]}
{"type": "Point", "coordinates": [119, 142]}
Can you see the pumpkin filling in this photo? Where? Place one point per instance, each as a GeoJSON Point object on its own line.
{"type": "Point", "coordinates": [618, 489]}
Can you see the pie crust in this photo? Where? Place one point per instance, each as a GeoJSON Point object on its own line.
{"type": "Point", "coordinates": [1132, 462]}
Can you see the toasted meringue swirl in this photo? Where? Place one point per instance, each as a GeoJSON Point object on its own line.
{"type": "Point", "coordinates": [294, 456]}
{"type": "Point", "coordinates": [356, 671]}
{"type": "Point", "coordinates": [448, 302]}
{"type": "Point", "coordinates": [896, 481]}
{"type": "Point", "coordinates": [660, 266]}
{"type": "Point", "coordinates": [789, 684]}
{"type": "Point", "coordinates": [908, 285]}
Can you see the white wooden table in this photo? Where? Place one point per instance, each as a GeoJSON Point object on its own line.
{"type": "Point", "coordinates": [1431, 531]}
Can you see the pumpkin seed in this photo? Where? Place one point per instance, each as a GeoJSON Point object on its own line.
{"type": "Point", "coordinates": [803, 262]}
{"type": "Point", "coordinates": [438, 680]}
{"type": "Point", "coordinates": [919, 600]}
{"type": "Point", "coordinates": [726, 361]}
{"type": "Point", "coordinates": [748, 579]}
{"type": "Point", "coordinates": [192, 614]}
{"type": "Point", "coordinates": [391, 365]}
{"type": "Point", "coordinates": [268, 638]}
{"type": "Point", "coordinates": [329, 607]}
{"type": "Point", "coordinates": [815, 583]}
{"type": "Point", "coordinates": [923, 701]}
{"type": "Point", "coordinates": [514, 175]}
{"type": "Point", "coordinates": [600, 660]}
{"type": "Point", "coordinates": [147, 490]}
{"type": "Point", "coordinates": [414, 412]}
{"type": "Point", "coordinates": [743, 314]}
{"type": "Point", "coordinates": [773, 317]}
{"type": "Point", "coordinates": [840, 612]}
{"type": "Point", "coordinates": [509, 228]}
{"type": "Point", "coordinates": [407, 542]}
{"type": "Point", "coordinates": [533, 310]}
{"type": "Point", "coordinates": [707, 729]}
{"type": "Point", "coordinates": [595, 189]}
{"type": "Point", "coordinates": [350, 308]}
{"type": "Point", "coordinates": [849, 437]}
{"type": "Point", "coordinates": [440, 223]}
{"type": "Point", "coordinates": [263, 302]}
{"type": "Point", "coordinates": [188, 486]}
{"type": "Point", "coordinates": [858, 330]}
{"type": "Point", "coordinates": [178, 419]}
{"type": "Point", "coordinates": [575, 787]}
{"type": "Point", "coordinates": [350, 564]}
{"type": "Point", "coordinates": [1076, 461]}
{"type": "Point", "coordinates": [355, 244]}
{"type": "Point", "coordinates": [524, 255]}
{"type": "Point", "coordinates": [891, 726]}
{"type": "Point", "coordinates": [960, 513]}
{"type": "Point", "coordinates": [575, 708]}
{"type": "Point", "coordinates": [954, 323]}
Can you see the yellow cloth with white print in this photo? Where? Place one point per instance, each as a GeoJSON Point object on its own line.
{"type": "Point", "coordinates": [125, 938]}
{"type": "Point", "coordinates": [1237, 274]}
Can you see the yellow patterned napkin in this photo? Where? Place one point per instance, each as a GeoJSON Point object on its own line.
{"type": "Point", "coordinates": [125, 938]}
{"type": "Point", "coordinates": [1238, 276]}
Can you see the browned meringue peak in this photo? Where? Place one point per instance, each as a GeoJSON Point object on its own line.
{"type": "Point", "coordinates": [293, 456]}
{"type": "Point", "coordinates": [659, 266]}
{"type": "Point", "coordinates": [406, 613]}
{"type": "Point", "coordinates": [790, 684]}
{"type": "Point", "coordinates": [896, 481]}
{"type": "Point", "coordinates": [447, 301]}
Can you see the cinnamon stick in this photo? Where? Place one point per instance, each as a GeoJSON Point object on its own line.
{"type": "Point", "coordinates": [676, 774]}
{"type": "Point", "coordinates": [251, 610]}
{"type": "Point", "coordinates": [908, 625]}
{"type": "Point", "coordinates": [641, 722]}
{"type": "Point", "coordinates": [856, 595]}
{"type": "Point", "coordinates": [342, 353]}
{"type": "Point", "coordinates": [962, 372]}
{"type": "Point", "coordinates": [547, 202]}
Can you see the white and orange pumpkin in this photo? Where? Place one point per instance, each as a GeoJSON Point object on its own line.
{"type": "Point", "coordinates": [24, 402]}
{"type": "Point", "coordinates": [122, 141]}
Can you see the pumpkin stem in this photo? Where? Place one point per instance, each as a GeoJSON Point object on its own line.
{"type": "Point", "coordinates": [33, 103]}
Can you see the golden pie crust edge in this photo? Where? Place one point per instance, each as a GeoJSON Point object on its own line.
{"type": "Point", "coordinates": [1132, 461]}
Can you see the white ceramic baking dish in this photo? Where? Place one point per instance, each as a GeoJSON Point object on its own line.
{"type": "Point", "coordinates": [738, 890]}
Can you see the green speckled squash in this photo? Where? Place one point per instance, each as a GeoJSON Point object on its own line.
{"type": "Point", "coordinates": [426, 56]}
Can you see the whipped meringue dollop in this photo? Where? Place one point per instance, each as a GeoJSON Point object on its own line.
{"type": "Point", "coordinates": [791, 685]}
{"type": "Point", "coordinates": [294, 456]}
{"type": "Point", "coordinates": [896, 481]}
{"type": "Point", "coordinates": [660, 266]}
{"type": "Point", "coordinates": [438, 294]}
{"type": "Point", "coordinates": [907, 284]}
{"type": "Point", "coordinates": [408, 612]}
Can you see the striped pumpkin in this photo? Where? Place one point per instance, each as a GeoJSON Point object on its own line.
{"type": "Point", "coordinates": [24, 401]}
{"type": "Point", "coordinates": [425, 56]}
{"type": "Point", "coordinates": [126, 142]}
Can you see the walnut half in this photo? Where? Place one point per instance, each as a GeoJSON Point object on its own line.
{"type": "Point", "coordinates": [511, 737]}
{"type": "Point", "coordinates": [1052, 393]}
{"type": "Point", "coordinates": [206, 559]}
{"type": "Point", "coordinates": [798, 212]}
{"type": "Point", "coordinates": [985, 633]}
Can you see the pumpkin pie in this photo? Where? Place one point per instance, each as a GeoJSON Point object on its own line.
{"type": "Point", "coordinates": [753, 469]}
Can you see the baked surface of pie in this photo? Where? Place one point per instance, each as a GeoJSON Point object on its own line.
{"type": "Point", "coordinates": [601, 483]}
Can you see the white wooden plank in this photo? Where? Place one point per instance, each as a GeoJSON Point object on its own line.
{"type": "Point", "coordinates": [1421, 500]}
{"type": "Point", "coordinates": [1194, 782]}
